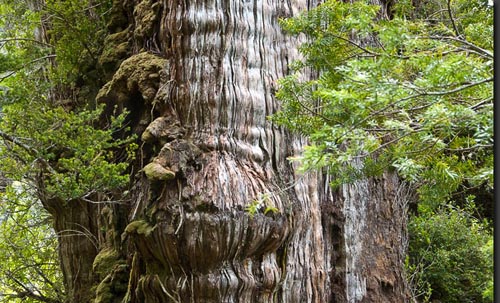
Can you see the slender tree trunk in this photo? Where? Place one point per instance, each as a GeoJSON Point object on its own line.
{"type": "Point", "coordinates": [76, 228]}
{"type": "Point", "coordinates": [216, 212]}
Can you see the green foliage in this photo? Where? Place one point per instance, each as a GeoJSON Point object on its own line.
{"type": "Point", "coordinates": [253, 207]}
{"type": "Point", "coordinates": [19, 48]}
{"type": "Point", "coordinates": [401, 93]}
{"type": "Point", "coordinates": [413, 94]}
{"type": "Point", "coordinates": [451, 257]}
{"type": "Point", "coordinates": [77, 31]}
{"type": "Point", "coordinates": [76, 158]}
{"type": "Point", "coordinates": [62, 38]}
{"type": "Point", "coordinates": [70, 150]}
{"type": "Point", "coordinates": [488, 292]}
{"type": "Point", "coordinates": [48, 138]}
{"type": "Point", "coordinates": [29, 267]}
{"type": "Point", "coordinates": [55, 140]}
{"type": "Point", "coordinates": [262, 204]}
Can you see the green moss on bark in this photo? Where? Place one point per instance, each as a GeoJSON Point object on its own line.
{"type": "Point", "coordinates": [105, 261]}
{"type": "Point", "coordinates": [156, 172]}
{"type": "Point", "coordinates": [114, 286]}
{"type": "Point", "coordinates": [139, 227]}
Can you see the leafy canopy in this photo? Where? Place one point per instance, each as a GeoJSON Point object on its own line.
{"type": "Point", "coordinates": [411, 93]}
{"type": "Point", "coordinates": [451, 257]}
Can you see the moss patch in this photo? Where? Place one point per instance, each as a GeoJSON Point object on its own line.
{"type": "Point", "coordinates": [156, 172]}
{"type": "Point", "coordinates": [141, 73]}
{"type": "Point", "coordinates": [145, 16]}
{"type": "Point", "coordinates": [113, 274]}
{"type": "Point", "coordinates": [118, 17]}
{"type": "Point", "coordinates": [116, 49]}
{"type": "Point", "coordinates": [105, 261]}
{"type": "Point", "coordinates": [140, 227]}
{"type": "Point", "coordinates": [114, 286]}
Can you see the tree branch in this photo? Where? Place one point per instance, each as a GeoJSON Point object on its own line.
{"type": "Point", "coordinates": [24, 66]}
{"type": "Point", "coordinates": [452, 19]}
{"type": "Point", "coordinates": [456, 90]}
{"type": "Point", "coordinates": [474, 47]}
{"type": "Point", "coordinates": [28, 293]}
{"type": "Point", "coordinates": [466, 149]}
{"type": "Point", "coordinates": [32, 151]}
{"type": "Point", "coordinates": [481, 103]}
{"type": "Point", "coordinates": [365, 49]}
{"type": "Point", "coordinates": [26, 39]}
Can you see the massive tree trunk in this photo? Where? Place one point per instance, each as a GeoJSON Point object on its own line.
{"type": "Point", "coordinates": [216, 213]}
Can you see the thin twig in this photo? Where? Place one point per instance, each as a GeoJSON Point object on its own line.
{"type": "Point", "coordinates": [365, 49]}
{"type": "Point", "coordinates": [16, 141]}
{"type": "Point", "coordinates": [465, 149]}
{"type": "Point", "coordinates": [452, 19]}
{"type": "Point", "coordinates": [24, 66]}
{"type": "Point", "coordinates": [5, 40]}
{"type": "Point", "coordinates": [481, 103]}
{"type": "Point", "coordinates": [465, 42]}
{"type": "Point", "coordinates": [31, 151]}
{"type": "Point", "coordinates": [463, 87]}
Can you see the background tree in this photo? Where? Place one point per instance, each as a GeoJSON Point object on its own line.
{"type": "Point", "coordinates": [451, 256]}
